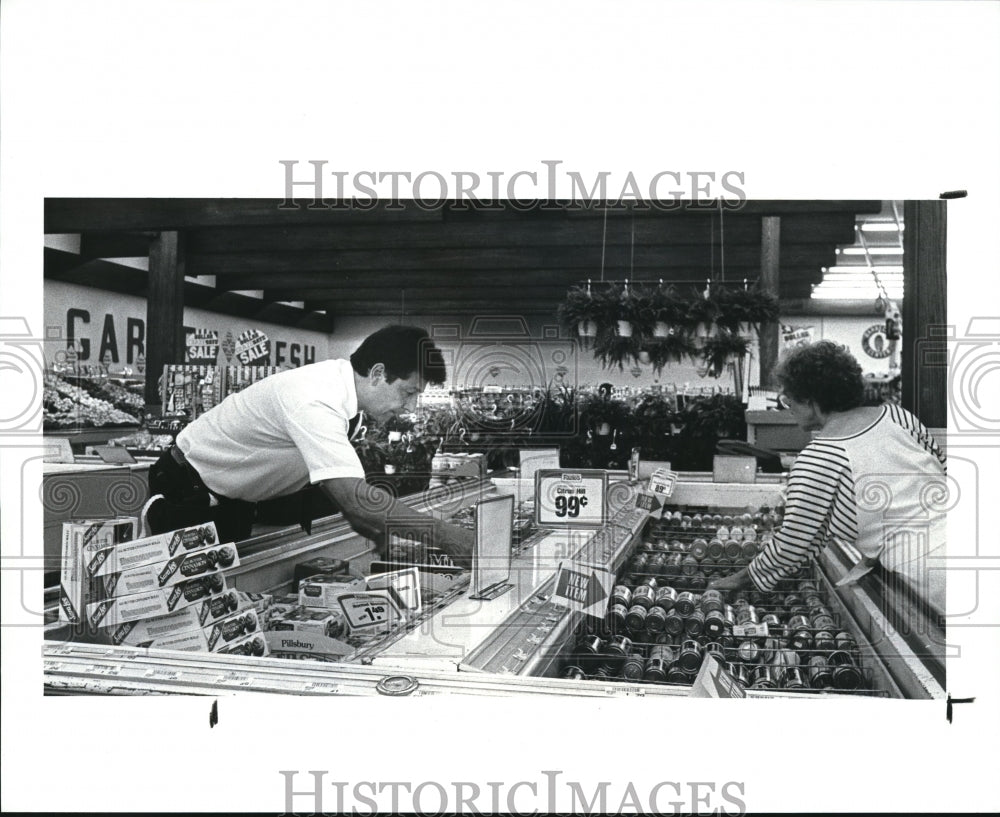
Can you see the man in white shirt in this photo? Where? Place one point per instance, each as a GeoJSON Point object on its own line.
{"type": "Point", "coordinates": [291, 430]}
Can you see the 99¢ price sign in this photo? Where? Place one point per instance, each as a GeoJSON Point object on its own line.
{"type": "Point", "coordinates": [570, 499]}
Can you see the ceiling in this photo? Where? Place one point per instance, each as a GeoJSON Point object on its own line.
{"type": "Point", "coordinates": [306, 266]}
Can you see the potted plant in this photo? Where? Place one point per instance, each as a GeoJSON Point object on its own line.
{"type": "Point", "coordinates": [723, 346]}
{"type": "Point", "coordinates": [701, 314]}
{"type": "Point", "coordinates": [674, 348]}
{"type": "Point", "coordinates": [667, 311]}
{"type": "Point", "coordinates": [743, 309]}
{"type": "Point", "coordinates": [603, 414]}
{"type": "Point", "coordinates": [582, 312]}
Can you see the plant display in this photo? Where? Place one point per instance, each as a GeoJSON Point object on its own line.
{"type": "Point", "coordinates": [740, 307]}
{"type": "Point", "coordinates": [722, 347]}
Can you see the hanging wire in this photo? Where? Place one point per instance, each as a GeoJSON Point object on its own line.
{"type": "Point", "coordinates": [722, 241]}
{"type": "Point", "coordinates": [604, 240]}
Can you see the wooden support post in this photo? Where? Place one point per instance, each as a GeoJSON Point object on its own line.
{"type": "Point", "coordinates": [770, 278]}
{"type": "Point", "coordinates": [164, 309]}
{"type": "Point", "coordinates": [924, 353]}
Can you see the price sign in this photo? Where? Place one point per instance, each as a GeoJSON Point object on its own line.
{"type": "Point", "coordinates": [570, 499]}
{"type": "Point", "coordinates": [662, 482]}
{"type": "Point", "coordinates": [370, 611]}
{"type": "Point", "coordinates": [405, 583]}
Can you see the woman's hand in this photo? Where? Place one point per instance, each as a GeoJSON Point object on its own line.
{"type": "Point", "coordinates": [737, 581]}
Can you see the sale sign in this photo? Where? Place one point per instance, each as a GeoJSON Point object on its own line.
{"type": "Point", "coordinates": [202, 346]}
{"type": "Point", "coordinates": [570, 499]}
{"type": "Point", "coordinates": [253, 347]}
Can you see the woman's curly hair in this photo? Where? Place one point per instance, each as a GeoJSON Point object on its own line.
{"type": "Point", "coordinates": [824, 372]}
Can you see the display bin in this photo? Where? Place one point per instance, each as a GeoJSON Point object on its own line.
{"type": "Point", "coordinates": [516, 644]}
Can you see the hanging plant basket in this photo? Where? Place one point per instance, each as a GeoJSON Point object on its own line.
{"type": "Point", "coordinates": [616, 350]}
{"type": "Point", "coordinates": [743, 310]}
{"type": "Point", "coordinates": [583, 313]}
{"type": "Point", "coordinates": [701, 315]}
{"type": "Point", "coordinates": [661, 329]}
{"type": "Point", "coordinates": [721, 348]}
{"type": "Point", "coordinates": [674, 348]}
{"type": "Point", "coordinates": [624, 329]}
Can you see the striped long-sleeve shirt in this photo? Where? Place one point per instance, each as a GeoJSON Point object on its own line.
{"type": "Point", "coordinates": [882, 489]}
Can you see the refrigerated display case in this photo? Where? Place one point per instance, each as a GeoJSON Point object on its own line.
{"type": "Point", "coordinates": [524, 641]}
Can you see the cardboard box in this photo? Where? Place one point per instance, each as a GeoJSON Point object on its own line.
{"type": "Point", "coordinates": [261, 602]}
{"type": "Point", "coordinates": [203, 614]}
{"type": "Point", "coordinates": [253, 645]}
{"type": "Point", "coordinates": [198, 641]}
{"type": "Point", "coordinates": [180, 568]}
{"type": "Point", "coordinates": [233, 629]}
{"type": "Point", "coordinates": [82, 539]}
{"type": "Point", "coordinates": [150, 549]}
{"type": "Point", "coordinates": [160, 602]}
{"type": "Point", "coordinates": [322, 591]}
{"type": "Point", "coordinates": [319, 566]}
{"type": "Point", "coordinates": [308, 646]}
{"type": "Point", "coordinates": [328, 623]}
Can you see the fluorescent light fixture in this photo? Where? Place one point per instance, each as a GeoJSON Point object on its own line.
{"type": "Point", "coordinates": [872, 251]}
{"type": "Point", "coordinates": [883, 270]}
{"type": "Point", "coordinates": [881, 227]}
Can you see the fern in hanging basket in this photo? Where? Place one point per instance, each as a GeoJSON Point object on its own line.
{"type": "Point", "coordinates": [701, 314]}
{"type": "Point", "coordinates": [613, 349]}
{"type": "Point", "coordinates": [722, 347]}
{"type": "Point", "coordinates": [673, 348]}
{"type": "Point", "coordinates": [740, 308]}
{"type": "Point", "coordinates": [628, 311]}
{"type": "Point", "coordinates": [667, 310]}
{"type": "Point", "coordinates": [582, 312]}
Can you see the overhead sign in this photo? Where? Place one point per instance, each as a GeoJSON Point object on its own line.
{"type": "Point", "coordinates": [583, 588]}
{"type": "Point", "coordinates": [570, 499]}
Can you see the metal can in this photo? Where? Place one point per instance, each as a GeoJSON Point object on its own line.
{"type": "Point", "coordinates": [773, 623]}
{"type": "Point", "coordinates": [746, 614]}
{"type": "Point", "coordinates": [763, 677]}
{"type": "Point", "coordinates": [699, 549]}
{"type": "Point", "coordinates": [768, 648]}
{"type": "Point", "coordinates": [711, 601]}
{"type": "Point", "coordinates": [603, 674]}
{"type": "Point", "coordinates": [656, 619]}
{"type": "Point", "coordinates": [616, 650]}
{"type": "Point", "coordinates": [689, 658]}
{"type": "Point", "coordinates": [799, 623]}
{"type": "Point", "coordinates": [573, 672]}
{"type": "Point", "coordinates": [686, 603]}
{"type": "Point", "coordinates": [655, 671]}
{"type": "Point", "coordinates": [588, 650]}
{"type": "Point", "coordinates": [674, 622]}
{"type": "Point", "coordinates": [820, 674]}
{"type": "Point", "coordinates": [638, 563]}
{"type": "Point", "coordinates": [794, 679]}
{"type": "Point", "coordinates": [715, 624]}
{"type": "Point", "coordinates": [846, 674]}
{"type": "Point", "coordinates": [621, 595]}
{"type": "Point", "coordinates": [699, 581]}
{"type": "Point", "coordinates": [715, 549]}
{"type": "Point", "coordinates": [665, 652]}
{"type": "Point", "coordinates": [748, 550]}
{"type": "Point", "coordinates": [689, 565]}
{"type": "Point", "coordinates": [722, 533]}
{"type": "Point", "coordinates": [633, 667]}
{"type": "Point", "coordinates": [729, 613]}
{"type": "Point", "coordinates": [748, 652]}
{"type": "Point", "coordinates": [801, 640]}
{"type": "Point", "coordinates": [635, 619]}
{"type": "Point", "coordinates": [739, 673]}
{"type": "Point", "coordinates": [643, 596]}
{"type": "Point", "coordinates": [615, 617]}
{"type": "Point", "coordinates": [666, 597]}
{"type": "Point", "coordinates": [715, 649]}
{"type": "Point", "coordinates": [823, 621]}
{"type": "Point", "coordinates": [732, 549]}
{"type": "Point", "coordinates": [673, 565]}
{"type": "Point", "coordinates": [792, 600]}
{"type": "Point", "coordinates": [694, 624]}
{"type": "Point", "coordinates": [675, 675]}
{"type": "Point", "coordinates": [814, 600]}
{"type": "Point", "coordinates": [657, 565]}
{"type": "Point", "coordinates": [823, 640]}
{"type": "Point", "coordinates": [845, 641]}
{"type": "Point", "coordinates": [781, 661]}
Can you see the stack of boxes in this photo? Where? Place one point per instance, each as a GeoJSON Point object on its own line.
{"type": "Point", "coordinates": [166, 591]}
{"type": "Point", "coordinates": [315, 608]}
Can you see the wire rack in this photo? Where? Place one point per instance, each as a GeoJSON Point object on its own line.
{"type": "Point", "coordinates": [660, 621]}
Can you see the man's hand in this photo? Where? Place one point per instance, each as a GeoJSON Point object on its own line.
{"type": "Point", "coordinates": [736, 581]}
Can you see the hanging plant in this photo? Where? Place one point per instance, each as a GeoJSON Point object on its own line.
{"type": "Point", "coordinates": [742, 308]}
{"type": "Point", "coordinates": [701, 314]}
{"type": "Point", "coordinates": [719, 349]}
{"type": "Point", "coordinates": [667, 310]}
{"type": "Point", "coordinates": [582, 313]}
{"type": "Point", "coordinates": [628, 308]}
{"type": "Point", "coordinates": [673, 348]}
{"type": "Point", "coordinates": [612, 349]}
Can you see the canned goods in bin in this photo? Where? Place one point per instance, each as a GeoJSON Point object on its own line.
{"type": "Point", "coordinates": [690, 656]}
{"type": "Point", "coordinates": [633, 667]}
{"type": "Point", "coordinates": [699, 549]}
{"type": "Point", "coordinates": [739, 673]}
{"type": "Point", "coordinates": [748, 550]}
{"type": "Point", "coordinates": [656, 620]}
{"type": "Point", "coordinates": [675, 675]}
{"type": "Point", "coordinates": [666, 597]}
{"type": "Point", "coordinates": [801, 640]}
{"type": "Point", "coordinates": [763, 677]}
{"type": "Point", "coordinates": [589, 649]}
{"type": "Point", "coordinates": [665, 652]}
{"type": "Point", "coordinates": [643, 596]}
{"type": "Point", "coordinates": [799, 622]}
{"type": "Point", "coordinates": [699, 581]}
{"type": "Point", "coordinates": [686, 602]}
{"type": "Point", "coordinates": [846, 674]}
{"type": "Point", "coordinates": [820, 674]}
{"type": "Point", "coordinates": [845, 641]}
{"type": "Point", "coordinates": [635, 620]}
{"type": "Point", "coordinates": [823, 640]}
{"type": "Point", "coordinates": [689, 565]}
{"type": "Point", "coordinates": [715, 624]}
{"type": "Point", "coordinates": [732, 549]}
{"type": "Point", "coordinates": [616, 650]}
{"type": "Point", "coordinates": [714, 648]}
{"type": "Point", "coordinates": [574, 673]}
{"type": "Point", "coordinates": [694, 624]}
{"type": "Point", "coordinates": [655, 671]}
{"type": "Point", "coordinates": [823, 622]}
{"type": "Point", "coordinates": [621, 595]}
{"type": "Point", "coordinates": [715, 549]}
{"type": "Point", "coordinates": [748, 652]}
{"type": "Point", "coordinates": [674, 622]}
{"type": "Point", "coordinates": [615, 617]}
{"type": "Point", "coordinates": [711, 600]}
{"type": "Point", "coordinates": [746, 614]}
{"type": "Point", "coordinates": [793, 679]}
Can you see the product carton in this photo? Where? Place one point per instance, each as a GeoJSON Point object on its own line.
{"type": "Point", "coordinates": [150, 549]}
{"type": "Point", "coordinates": [180, 568]}
{"type": "Point", "coordinates": [329, 623]}
{"type": "Point", "coordinates": [81, 540]}
{"type": "Point", "coordinates": [233, 629]}
{"type": "Point", "coordinates": [322, 591]}
{"type": "Point", "coordinates": [160, 602]}
{"type": "Point", "coordinates": [203, 614]}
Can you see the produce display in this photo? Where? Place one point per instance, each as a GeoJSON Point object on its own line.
{"type": "Point", "coordinates": [661, 620]}
{"type": "Point", "coordinates": [89, 404]}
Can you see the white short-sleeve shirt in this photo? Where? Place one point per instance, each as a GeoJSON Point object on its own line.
{"type": "Point", "coordinates": [278, 435]}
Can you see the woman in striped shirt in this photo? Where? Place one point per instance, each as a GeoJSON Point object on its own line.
{"type": "Point", "coordinates": [872, 477]}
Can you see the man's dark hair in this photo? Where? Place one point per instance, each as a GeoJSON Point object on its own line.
{"type": "Point", "coordinates": [403, 350]}
{"type": "Point", "coordinates": [825, 372]}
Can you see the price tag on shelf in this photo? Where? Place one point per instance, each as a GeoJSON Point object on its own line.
{"type": "Point", "coordinates": [570, 499]}
{"type": "Point", "coordinates": [405, 583]}
{"type": "Point", "coordinates": [373, 610]}
{"type": "Point", "coordinates": [662, 482]}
